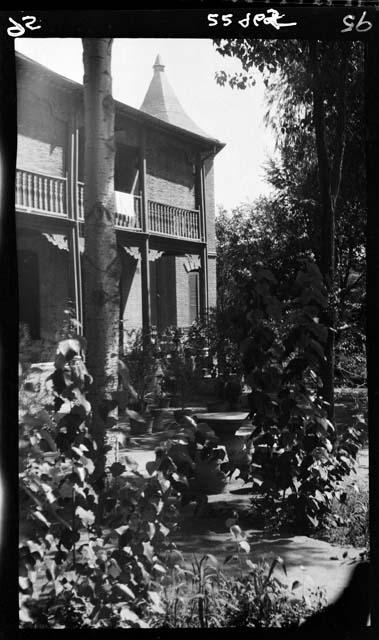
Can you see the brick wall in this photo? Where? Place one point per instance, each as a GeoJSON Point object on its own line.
{"type": "Point", "coordinates": [210, 203]}
{"type": "Point", "coordinates": [212, 282]}
{"type": "Point", "coordinates": [42, 134]}
{"type": "Point", "coordinates": [131, 292]}
{"type": "Point", "coordinates": [182, 293]}
{"type": "Point", "coordinates": [169, 168]}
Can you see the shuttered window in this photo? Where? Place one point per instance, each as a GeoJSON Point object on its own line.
{"type": "Point", "coordinates": [194, 296]}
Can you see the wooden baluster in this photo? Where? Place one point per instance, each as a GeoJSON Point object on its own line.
{"type": "Point", "coordinates": [36, 191]}
{"type": "Point", "coordinates": [29, 191]}
{"type": "Point", "coordinates": [18, 187]}
{"type": "Point", "coordinates": [61, 199]}
{"type": "Point", "coordinates": [33, 191]}
{"type": "Point", "coordinates": [39, 193]}
{"type": "Point", "coordinates": [24, 188]}
{"type": "Point", "coordinates": [45, 188]}
{"type": "Point", "coordinates": [56, 195]}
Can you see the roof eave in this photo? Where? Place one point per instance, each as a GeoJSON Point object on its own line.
{"type": "Point", "coordinates": [72, 85]}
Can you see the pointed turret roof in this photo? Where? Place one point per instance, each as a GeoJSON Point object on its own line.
{"type": "Point", "coordinates": [160, 101]}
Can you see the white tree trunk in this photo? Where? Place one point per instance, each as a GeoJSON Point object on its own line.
{"type": "Point", "coordinates": [101, 263]}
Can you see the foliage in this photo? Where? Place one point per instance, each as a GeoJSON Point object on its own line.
{"type": "Point", "coordinates": [205, 597]}
{"type": "Point", "coordinates": [84, 561]}
{"type": "Point", "coordinates": [297, 462]}
{"type": "Point", "coordinates": [351, 516]}
{"type": "Point", "coordinates": [292, 217]}
{"type": "Point", "coordinates": [193, 459]}
{"type": "Point", "coordinates": [178, 364]}
{"type": "Point", "coordinates": [142, 359]}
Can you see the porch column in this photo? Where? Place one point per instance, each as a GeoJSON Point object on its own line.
{"type": "Point", "coordinates": [200, 204]}
{"type": "Point", "coordinates": [73, 214]}
{"type": "Point", "coordinates": [145, 273]}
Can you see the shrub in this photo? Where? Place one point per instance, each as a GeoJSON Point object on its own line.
{"type": "Point", "coordinates": [83, 566]}
{"type": "Point", "coordinates": [298, 463]}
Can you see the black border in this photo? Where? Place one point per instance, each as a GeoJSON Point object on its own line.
{"type": "Point", "coordinates": [190, 21]}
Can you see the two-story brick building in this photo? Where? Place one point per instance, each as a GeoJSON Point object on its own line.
{"type": "Point", "coordinates": [165, 210]}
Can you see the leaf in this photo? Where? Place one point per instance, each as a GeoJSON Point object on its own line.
{"type": "Point", "coordinates": [125, 589]}
{"type": "Point", "coordinates": [213, 559]}
{"type": "Point", "coordinates": [236, 532]}
{"type": "Point", "coordinates": [151, 466]}
{"type": "Point", "coordinates": [114, 569]}
{"type": "Point", "coordinates": [244, 545]}
{"type": "Point", "coordinates": [24, 583]}
{"type": "Point", "coordinates": [37, 514]}
{"type": "Point", "coordinates": [295, 585]}
{"type": "Point", "coordinates": [128, 615]}
{"type": "Point", "coordinates": [86, 516]}
{"type": "Point", "coordinates": [313, 520]}
{"type": "Point", "coordinates": [159, 568]}
{"type": "Point", "coordinates": [117, 469]}
{"type": "Point", "coordinates": [156, 600]}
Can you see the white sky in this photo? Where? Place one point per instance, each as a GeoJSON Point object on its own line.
{"type": "Point", "coordinates": [234, 117]}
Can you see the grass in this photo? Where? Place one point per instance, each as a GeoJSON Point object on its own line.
{"type": "Point", "coordinates": [205, 598]}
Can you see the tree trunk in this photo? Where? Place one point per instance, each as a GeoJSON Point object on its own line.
{"type": "Point", "coordinates": [101, 262]}
{"type": "Point", "coordinates": [327, 249]}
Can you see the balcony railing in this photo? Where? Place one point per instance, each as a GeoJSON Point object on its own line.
{"type": "Point", "coordinates": [40, 193]}
{"type": "Point", "coordinates": [174, 221]}
{"type": "Point", "coordinates": [48, 194]}
{"type": "Point", "coordinates": [122, 221]}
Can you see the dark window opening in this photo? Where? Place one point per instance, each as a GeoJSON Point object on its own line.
{"type": "Point", "coordinates": [29, 296]}
{"type": "Point", "coordinates": [126, 177]}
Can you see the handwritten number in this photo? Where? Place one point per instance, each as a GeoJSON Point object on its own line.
{"type": "Point", "coordinates": [32, 20]}
{"type": "Point", "coordinates": [361, 26]}
{"type": "Point", "coordinates": [361, 22]}
{"type": "Point", "coordinates": [18, 29]}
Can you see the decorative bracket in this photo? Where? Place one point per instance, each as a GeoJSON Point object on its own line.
{"type": "Point", "coordinates": [134, 252]}
{"type": "Point", "coordinates": [58, 240]}
{"type": "Point", "coordinates": [154, 255]}
{"type": "Point", "coordinates": [191, 262]}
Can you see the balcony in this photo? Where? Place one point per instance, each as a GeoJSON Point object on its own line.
{"type": "Point", "coordinates": [42, 194]}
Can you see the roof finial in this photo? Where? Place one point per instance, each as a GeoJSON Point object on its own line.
{"type": "Point", "coordinates": [158, 65]}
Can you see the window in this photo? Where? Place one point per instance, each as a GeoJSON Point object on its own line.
{"type": "Point", "coordinates": [28, 289]}
{"type": "Point", "coordinates": [194, 296]}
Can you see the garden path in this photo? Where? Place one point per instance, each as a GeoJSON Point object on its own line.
{"type": "Point", "coordinates": [314, 563]}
